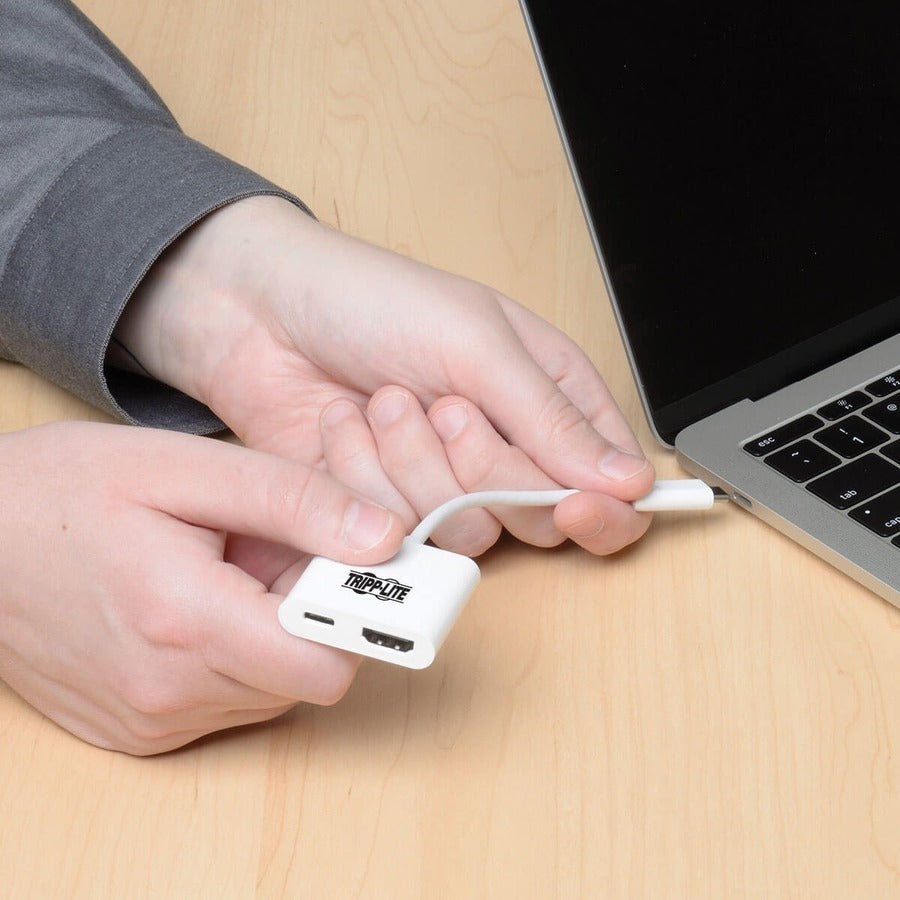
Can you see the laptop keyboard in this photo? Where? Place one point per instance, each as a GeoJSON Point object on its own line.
{"type": "Point", "coordinates": [847, 453]}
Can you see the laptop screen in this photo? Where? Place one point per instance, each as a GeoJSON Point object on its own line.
{"type": "Point", "coordinates": [739, 165]}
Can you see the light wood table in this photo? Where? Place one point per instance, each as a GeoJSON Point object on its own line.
{"type": "Point", "coordinates": [712, 714]}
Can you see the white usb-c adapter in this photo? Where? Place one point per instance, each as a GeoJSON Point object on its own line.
{"type": "Point", "coordinates": [400, 611]}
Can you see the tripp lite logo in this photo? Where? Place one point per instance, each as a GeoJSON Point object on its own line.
{"type": "Point", "coordinates": [382, 588]}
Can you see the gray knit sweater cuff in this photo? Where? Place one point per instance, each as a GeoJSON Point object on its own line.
{"type": "Point", "coordinates": [89, 242]}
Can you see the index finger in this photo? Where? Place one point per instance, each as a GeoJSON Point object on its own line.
{"type": "Point", "coordinates": [572, 370]}
{"type": "Point", "coordinates": [529, 408]}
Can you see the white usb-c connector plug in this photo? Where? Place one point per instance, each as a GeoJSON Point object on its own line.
{"type": "Point", "coordinates": [679, 494]}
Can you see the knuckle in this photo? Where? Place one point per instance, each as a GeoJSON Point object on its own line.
{"type": "Point", "coordinates": [145, 737]}
{"type": "Point", "coordinates": [545, 536]}
{"type": "Point", "coordinates": [289, 498]}
{"type": "Point", "coordinates": [170, 624]}
{"type": "Point", "coordinates": [472, 542]}
{"type": "Point", "coordinates": [567, 362]}
{"type": "Point", "coordinates": [150, 701]}
{"type": "Point", "coordinates": [478, 472]}
{"type": "Point", "coordinates": [350, 457]}
{"type": "Point", "coordinates": [560, 418]}
{"type": "Point", "coordinates": [121, 737]}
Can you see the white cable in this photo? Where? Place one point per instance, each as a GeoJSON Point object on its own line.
{"type": "Point", "coordinates": [671, 495]}
{"type": "Point", "coordinates": [423, 530]}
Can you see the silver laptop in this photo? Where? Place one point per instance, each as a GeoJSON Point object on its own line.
{"type": "Point", "coordinates": [739, 170]}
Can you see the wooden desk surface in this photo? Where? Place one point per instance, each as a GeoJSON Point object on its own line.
{"type": "Point", "coordinates": [714, 713]}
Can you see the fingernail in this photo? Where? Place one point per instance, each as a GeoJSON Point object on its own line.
{"type": "Point", "coordinates": [450, 421]}
{"type": "Point", "coordinates": [619, 465]}
{"type": "Point", "coordinates": [336, 412]}
{"type": "Point", "coordinates": [389, 409]}
{"type": "Point", "coordinates": [365, 525]}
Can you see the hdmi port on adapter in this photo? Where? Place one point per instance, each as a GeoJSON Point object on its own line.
{"type": "Point", "coordinates": [403, 645]}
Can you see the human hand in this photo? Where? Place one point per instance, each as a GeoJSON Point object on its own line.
{"type": "Point", "coordinates": [410, 384]}
{"type": "Point", "coordinates": [129, 617]}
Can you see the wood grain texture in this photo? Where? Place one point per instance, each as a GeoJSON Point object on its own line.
{"type": "Point", "coordinates": [712, 714]}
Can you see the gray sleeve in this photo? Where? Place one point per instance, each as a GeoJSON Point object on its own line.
{"type": "Point", "coordinates": [96, 179]}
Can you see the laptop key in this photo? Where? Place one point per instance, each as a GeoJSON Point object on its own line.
{"type": "Point", "coordinates": [892, 451]}
{"type": "Point", "coordinates": [802, 461]}
{"type": "Point", "coordinates": [886, 385]}
{"type": "Point", "coordinates": [881, 515]}
{"type": "Point", "coordinates": [783, 435]}
{"type": "Point", "coordinates": [849, 403]}
{"type": "Point", "coordinates": [857, 481]}
{"type": "Point", "coordinates": [851, 437]}
{"type": "Point", "coordinates": [886, 414]}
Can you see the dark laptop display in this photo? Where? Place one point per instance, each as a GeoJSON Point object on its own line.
{"type": "Point", "coordinates": [739, 170]}
{"type": "Point", "coordinates": [741, 166]}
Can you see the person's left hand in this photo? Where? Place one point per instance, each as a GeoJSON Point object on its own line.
{"type": "Point", "coordinates": [410, 384]}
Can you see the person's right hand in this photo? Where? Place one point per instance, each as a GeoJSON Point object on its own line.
{"type": "Point", "coordinates": [130, 615]}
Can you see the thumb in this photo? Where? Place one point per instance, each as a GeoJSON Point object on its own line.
{"type": "Point", "coordinates": [225, 487]}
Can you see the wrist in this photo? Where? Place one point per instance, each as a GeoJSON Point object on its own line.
{"type": "Point", "coordinates": [201, 300]}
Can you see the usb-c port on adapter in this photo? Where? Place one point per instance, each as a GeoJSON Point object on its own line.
{"type": "Point", "coordinates": [325, 620]}
{"type": "Point", "coordinates": [403, 645]}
